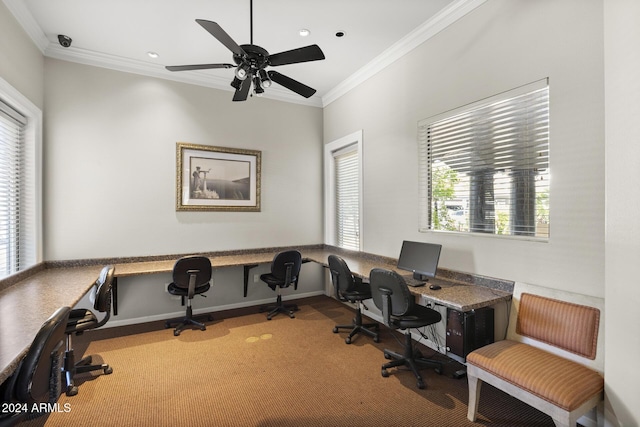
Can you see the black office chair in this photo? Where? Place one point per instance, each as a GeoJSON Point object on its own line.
{"type": "Point", "coordinates": [399, 311]}
{"type": "Point", "coordinates": [191, 277]}
{"type": "Point", "coordinates": [81, 320]}
{"type": "Point", "coordinates": [285, 269]}
{"type": "Point", "coordinates": [38, 378]}
{"type": "Point", "coordinates": [351, 288]}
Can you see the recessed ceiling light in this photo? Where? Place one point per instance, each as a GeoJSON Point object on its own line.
{"type": "Point", "coordinates": [340, 34]}
{"type": "Point", "coordinates": [304, 32]}
{"type": "Point", "coordinates": [153, 55]}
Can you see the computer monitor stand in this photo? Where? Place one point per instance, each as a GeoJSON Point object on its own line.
{"type": "Point", "coordinates": [420, 277]}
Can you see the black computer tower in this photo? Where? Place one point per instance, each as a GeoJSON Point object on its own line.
{"type": "Point", "coordinates": [469, 330]}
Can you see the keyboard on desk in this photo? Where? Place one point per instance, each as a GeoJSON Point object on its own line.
{"type": "Point", "coordinates": [414, 283]}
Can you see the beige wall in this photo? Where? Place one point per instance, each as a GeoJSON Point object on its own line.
{"type": "Point", "coordinates": [21, 63]}
{"type": "Point", "coordinates": [501, 45]}
{"type": "Point", "coordinates": [110, 166]}
{"type": "Point", "coordinates": [622, 296]}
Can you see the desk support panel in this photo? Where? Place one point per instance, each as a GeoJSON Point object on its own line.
{"type": "Point", "coordinates": [247, 269]}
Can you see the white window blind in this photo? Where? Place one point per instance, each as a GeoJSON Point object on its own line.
{"type": "Point", "coordinates": [12, 194]}
{"type": "Point", "coordinates": [347, 198]}
{"type": "Point", "coordinates": [484, 168]}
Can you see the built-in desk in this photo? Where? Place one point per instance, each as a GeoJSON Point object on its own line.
{"type": "Point", "coordinates": [26, 303]}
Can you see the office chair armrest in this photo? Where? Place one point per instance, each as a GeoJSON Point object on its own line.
{"type": "Point", "coordinates": [336, 286]}
{"type": "Point", "coordinates": [386, 306]}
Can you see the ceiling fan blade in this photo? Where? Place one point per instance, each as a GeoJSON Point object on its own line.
{"type": "Point", "coordinates": [303, 54]}
{"type": "Point", "coordinates": [216, 31]}
{"type": "Point", "coordinates": [291, 84]}
{"type": "Point", "coordinates": [197, 67]}
{"type": "Point", "coordinates": [242, 93]}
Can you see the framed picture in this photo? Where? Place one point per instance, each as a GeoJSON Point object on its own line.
{"type": "Point", "coordinates": [217, 178]}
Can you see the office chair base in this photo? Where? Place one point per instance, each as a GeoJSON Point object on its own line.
{"type": "Point", "coordinates": [410, 359]}
{"type": "Point", "coordinates": [84, 365]}
{"type": "Point", "coordinates": [357, 327]}
{"type": "Point", "coordinates": [279, 307]}
{"type": "Point", "coordinates": [184, 322]}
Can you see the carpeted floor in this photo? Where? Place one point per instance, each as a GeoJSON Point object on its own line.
{"type": "Point", "coordinates": [247, 371]}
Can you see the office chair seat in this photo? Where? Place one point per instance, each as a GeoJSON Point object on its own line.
{"type": "Point", "coordinates": [273, 282]}
{"type": "Point", "coordinates": [420, 316]}
{"type": "Point", "coordinates": [81, 320]}
{"type": "Point", "coordinates": [176, 290]}
{"type": "Point", "coordinates": [360, 291]}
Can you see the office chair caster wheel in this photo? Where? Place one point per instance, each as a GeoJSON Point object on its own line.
{"type": "Point", "coordinates": [176, 333]}
{"type": "Point", "coordinates": [335, 330]}
{"type": "Point", "coordinates": [347, 340]}
{"type": "Point", "coordinates": [268, 317]}
{"type": "Point", "coordinates": [385, 373]}
{"type": "Point", "coordinates": [438, 371]}
{"type": "Point", "coordinates": [108, 370]}
{"type": "Point", "coordinates": [420, 385]}
{"type": "Point", "coordinates": [376, 339]}
{"type": "Point", "coordinates": [72, 391]}
{"type": "Point", "coordinates": [387, 356]}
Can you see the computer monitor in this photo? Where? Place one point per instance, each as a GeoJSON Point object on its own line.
{"type": "Point", "coordinates": [420, 258]}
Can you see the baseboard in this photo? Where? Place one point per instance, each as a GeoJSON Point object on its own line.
{"type": "Point", "coordinates": [112, 323]}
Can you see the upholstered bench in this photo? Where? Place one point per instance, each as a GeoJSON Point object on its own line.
{"type": "Point", "coordinates": [549, 359]}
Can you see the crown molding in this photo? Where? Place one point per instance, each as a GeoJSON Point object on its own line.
{"type": "Point", "coordinates": [424, 32]}
{"type": "Point", "coordinates": [23, 15]}
{"type": "Point", "coordinates": [437, 23]}
{"type": "Point", "coordinates": [198, 78]}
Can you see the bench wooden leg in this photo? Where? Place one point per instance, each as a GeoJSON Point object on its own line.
{"type": "Point", "coordinates": [475, 384]}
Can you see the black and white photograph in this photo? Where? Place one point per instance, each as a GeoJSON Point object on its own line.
{"type": "Point", "coordinates": [217, 178]}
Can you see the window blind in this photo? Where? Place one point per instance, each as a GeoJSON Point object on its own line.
{"type": "Point", "coordinates": [485, 168]}
{"type": "Point", "coordinates": [347, 198]}
{"type": "Point", "coordinates": [12, 167]}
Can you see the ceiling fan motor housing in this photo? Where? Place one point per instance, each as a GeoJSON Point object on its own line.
{"type": "Point", "coordinates": [256, 58]}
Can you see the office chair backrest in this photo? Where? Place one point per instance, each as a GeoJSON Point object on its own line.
{"type": "Point", "coordinates": [286, 266]}
{"type": "Point", "coordinates": [192, 268]}
{"type": "Point", "coordinates": [39, 377]}
{"type": "Point", "coordinates": [340, 275]}
{"type": "Point", "coordinates": [402, 300]}
{"type": "Point", "coordinates": [104, 282]}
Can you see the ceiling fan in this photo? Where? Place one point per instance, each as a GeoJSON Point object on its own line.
{"type": "Point", "coordinates": [251, 63]}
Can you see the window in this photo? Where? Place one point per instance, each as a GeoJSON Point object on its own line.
{"type": "Point", "coordinates": [484, 168]}
{"type": "Point", "coordinates": [343, 193]}
{"type": "Point", "coordinates": [20, 124]}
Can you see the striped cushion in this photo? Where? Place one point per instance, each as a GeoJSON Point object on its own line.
{"type": "Point", "coordinates": [564, 383]}
{"type": "Point", "coordinates": [569, 326]}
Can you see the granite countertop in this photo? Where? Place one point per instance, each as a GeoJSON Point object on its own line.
{"type": "Point", "coordinates": [27, 299]}
{"type": "Point", "coordinates": [25, 306]}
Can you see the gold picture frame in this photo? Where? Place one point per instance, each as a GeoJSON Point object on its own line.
{"type": "Point", "coordinates": [217, 178]}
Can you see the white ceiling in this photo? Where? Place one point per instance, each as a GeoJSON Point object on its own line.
{"type": "Point", "coordinates": [117, 34]}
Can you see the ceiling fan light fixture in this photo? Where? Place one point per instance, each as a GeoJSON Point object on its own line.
{"type": "Point", "coordinates": [304, 32]}
{"type": "Point", "coordinates": [241, 72]}
{"type": "Point", "coordinates": [236, 83]}
{"type": "Point", "coordinates": [264, 79]}
{"type": "Point", "coordinates": [257, 86]}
